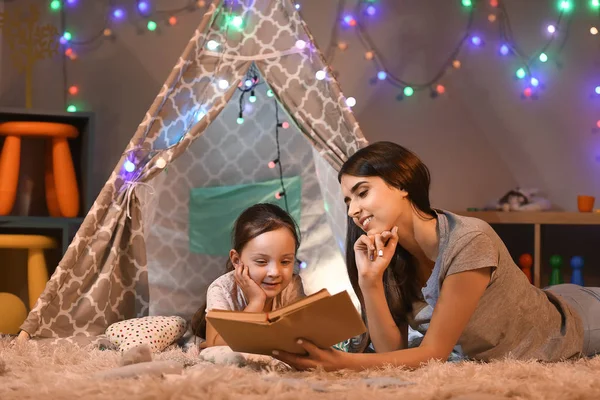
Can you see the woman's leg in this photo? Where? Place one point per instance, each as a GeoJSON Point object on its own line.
{"type": "Point", "coordinates": [586, 300]}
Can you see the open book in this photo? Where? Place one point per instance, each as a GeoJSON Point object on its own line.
{"type": "Point", "coordinates": [320, 318]}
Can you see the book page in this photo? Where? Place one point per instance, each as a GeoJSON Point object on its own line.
{"type": "Point", "coordinates": [275, 315]}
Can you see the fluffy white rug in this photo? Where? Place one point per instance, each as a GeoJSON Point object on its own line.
{"type": "Point", "coordinates": [37, 371]}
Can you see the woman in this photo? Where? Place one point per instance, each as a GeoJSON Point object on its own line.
{"type": "Point", "coordinates": [446, 275]}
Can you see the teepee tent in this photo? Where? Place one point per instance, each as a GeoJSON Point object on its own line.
{"type": "Point", "coordinates": [134, 254]}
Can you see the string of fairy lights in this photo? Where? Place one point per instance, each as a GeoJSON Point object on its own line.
{"type": "Point", "coordinates": [529, 69]}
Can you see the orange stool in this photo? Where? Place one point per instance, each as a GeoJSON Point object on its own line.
{"type": "Point", "coordinates": [62, 192]}
{"type": "Point", "coordinates": [37, 273]}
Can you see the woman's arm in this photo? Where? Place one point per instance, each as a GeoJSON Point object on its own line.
{"type": "Point", "coordinates": [385, 334]}
{"type": "Point", "coordinates": [458, 300]}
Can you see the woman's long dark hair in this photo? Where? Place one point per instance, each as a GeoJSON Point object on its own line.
{"type": "Point", "coordinates": [252, 222]}
{"type": "Point", "coordinates": [403, 170]}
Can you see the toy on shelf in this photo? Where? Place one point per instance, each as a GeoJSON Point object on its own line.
{"type": "Point", "coordinates": [556, 262]}
{"type": "Point", "coordinates": [62, 192]}
{"type": "Point", "coordinates": [525, 263]}
{"type": "Point", "coordinates": [521, 199]}
{"type": "Point", "coordinates": [577, 265]}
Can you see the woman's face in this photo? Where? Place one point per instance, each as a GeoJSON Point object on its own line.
{"type": "Point", "coordinates": [373, 205]}
{"type": "Point", "coordinates": [270, 260]}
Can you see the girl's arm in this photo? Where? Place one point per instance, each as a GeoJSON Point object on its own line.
{"type": "Point", "coordinates": [385, 334]}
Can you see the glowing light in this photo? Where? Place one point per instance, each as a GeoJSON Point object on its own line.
{"type": "Point", "coordinates": [534, 82]}
{"type": "Point", "coordinates": [272, 164]}
{"type": "Point", "coordinates": [67, 36]}
{"type": "Point", "coordinates": [161, 163]}
{"type": "Point", "coordinates": [456, 64]}
{"type": "Point", "coordinates": [494, 3]}
{"type": "Point", "coordinates": [300, 44]}
{"type": "Point", "coordinates": [201, 3]}
{"type": "Point", "coordinates": [543, 57]}
{"type": "Point", "coordinates": [151, 25]}
{"type": "Point", "coordinates": [371, 10]}
{"type": "Point", "coordinates": [237, 21]}
{"type": "Point", "coordinates": [349, 20]}
{"type": "Point", "coordinates": [73, 90]}
{"type": "Point", "coordinates": [212, 45]}
{"type": "Point", "coordinates": [594, 30]}
{"type": "Point", "coordinates": [467, 3]}
{"type": "Point", "coordinates": [172, 20]}
{"type": "Point", "coordinates": [597, 90]}
{"type": "Point", "coordinates": [285, 125]}
{"type": "Point", "coordinates": [504, 49]}
{"type": "Point", "coordinates": [248, 83]}
{"type": "Point", "coordinates": [565, 5]}
{"type": "Point", "coordinates": [71, 108]}
{"type": "Point", "coordinates": [297, 6]}
{"type": "Point", "coordinates": [369, 55]}
{"type": "Point", "coordinates": [476, 40]}
{"type": "Point", "coordinates": [303, 265]}
{"type": "Point", "coordinates": [107, 32]}
{"type": "Point", "coordinates": [520, 73]}
{"type": "Point", "coordinates": [252, 99]}
{"type": "Point", "coordinates": [440, 89]}
{"type": "Point", "coordinates": [55, 5]}
{"type": "Point", "coordinates": [492, 17]}
{"type": "Point", "coordinates": [527, 92]}
{"type": "Point", "coordinates": [118, 13]}
{"type": "Point", "coordinates": [382, 75]}
{"type": "Point", "coordinates": [240, 120]}
{"type": "Point", "coordinates": [350, 101]}
{"type": "Point", "coordinates": [551, 29]}
{"type": "Point", "coordinates": [320, 75]}
{"type": "Point", "coordinates": [598, 123]}
{"type": "Point", "coordinates": [270, 93]}
{"type": "Point", "coordinates": [278, 195]}
{"type": "Point", "coordinates": [408, 91]}
{"type": "Point", "coordinates": [342, 46]}
{"type": "Point", "coordinates": [595, 3]}
{"type": "Point", "coordinates": [129, 166]}
{"type": "Point", "coordinates": [223, 84]}
{"type": "Point", "coordinates": [143, 6]}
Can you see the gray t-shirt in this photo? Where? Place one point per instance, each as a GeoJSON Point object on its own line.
{"type": "Point", "coordinates": [513, 317]}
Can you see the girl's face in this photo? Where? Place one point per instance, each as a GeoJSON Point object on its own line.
{"type": "Point", "coordinates": [373, 205]}
{"type": "Point", "coordinates": [270, 259]}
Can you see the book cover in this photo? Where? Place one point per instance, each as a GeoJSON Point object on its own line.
{"type": "Point", "coordinates": [320, 318]}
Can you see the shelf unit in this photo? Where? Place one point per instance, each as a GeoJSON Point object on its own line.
{"type": "Point", "coordinates": [537, 219]}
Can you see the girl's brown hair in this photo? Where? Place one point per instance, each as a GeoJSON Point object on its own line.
{"type": "Point", "coordinates": [252, 222]}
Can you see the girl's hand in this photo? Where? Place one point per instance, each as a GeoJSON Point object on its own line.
{"type": "Point", "coordinates": [254, 293]}
{"type": "Point", "coordinates": [373, 254]}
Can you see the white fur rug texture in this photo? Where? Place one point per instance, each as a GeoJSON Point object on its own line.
{"type": "Point", "coordinates": [34, 370]}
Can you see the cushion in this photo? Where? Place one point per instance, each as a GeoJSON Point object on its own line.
{"type": "Point", "coordinates": [156, 331]}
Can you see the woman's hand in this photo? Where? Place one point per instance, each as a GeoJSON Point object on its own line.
{"type": "Point", "coordinates": [373, 254]}
{"type": "Point", "coordinates": [254, 294]}
{"type": "Point", "coordinates": [328, 359]}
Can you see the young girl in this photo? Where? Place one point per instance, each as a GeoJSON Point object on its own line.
{"type": "Point", "coordinates": [259, 270]}
{"type": "Point", "coordinates": [448, 276]}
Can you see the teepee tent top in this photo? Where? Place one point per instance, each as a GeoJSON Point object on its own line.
{"type": "Point", "coordinates": [104, 275]}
